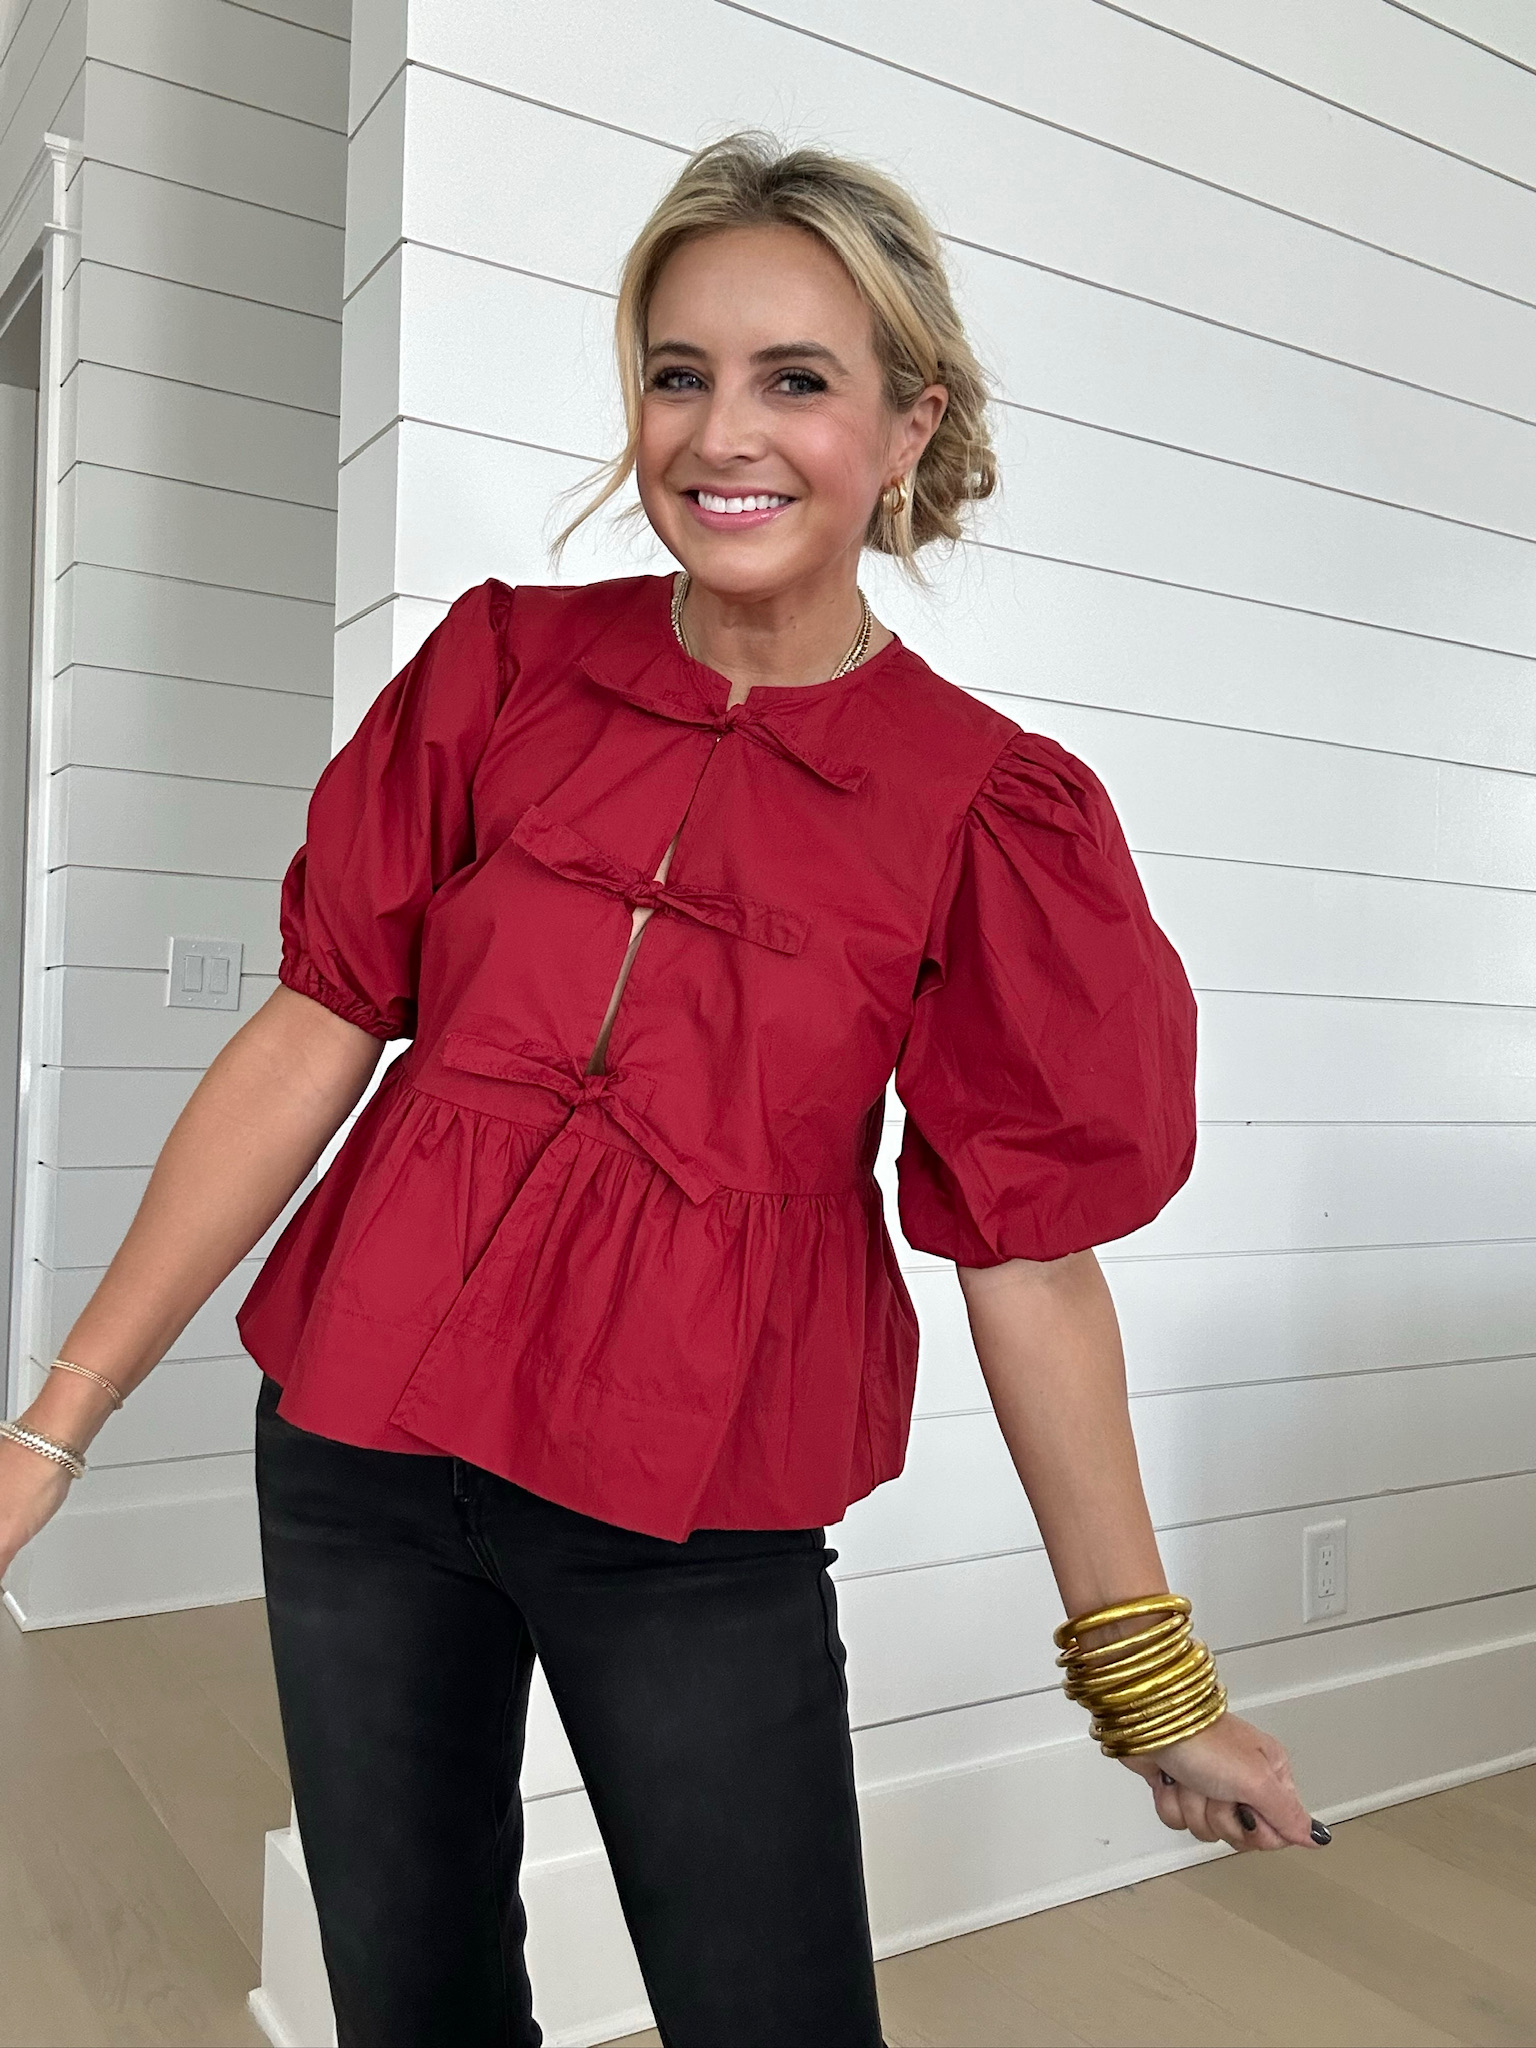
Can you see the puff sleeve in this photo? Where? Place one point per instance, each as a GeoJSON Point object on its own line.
{"type": "Point", "coordinates": [391, 819]}
{"type": "Point", "coordinates": [1048, 1070]}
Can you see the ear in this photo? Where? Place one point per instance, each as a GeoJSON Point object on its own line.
{"type": "Point", "coordinates": [913, 429]}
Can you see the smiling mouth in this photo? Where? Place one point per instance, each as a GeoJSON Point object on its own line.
{"type": "Point", "coordinates": [737, 507]}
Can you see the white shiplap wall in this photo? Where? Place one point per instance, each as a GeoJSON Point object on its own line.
{"type": "Point", "coordinates": [191, 711]}
{"type": "Point", "coordinates": [1259, 291]}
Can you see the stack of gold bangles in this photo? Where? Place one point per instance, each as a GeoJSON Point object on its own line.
{"type": "Point", "coordinates": [1146, 1689]}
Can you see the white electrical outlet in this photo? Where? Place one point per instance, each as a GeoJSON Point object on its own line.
{"type": "Point", "coordinates": [1324, 1570]}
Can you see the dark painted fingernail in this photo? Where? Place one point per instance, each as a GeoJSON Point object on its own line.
{"type": "Point", "coordinates": [1321, 1835]}
{"type": "Point", "coordinates": [1165, 1777]}
{"type": "Point", "coordinates": [1245, 1815]}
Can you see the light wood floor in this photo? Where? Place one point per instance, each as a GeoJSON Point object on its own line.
{"type": "Point", "coordinates": [142, 1764]}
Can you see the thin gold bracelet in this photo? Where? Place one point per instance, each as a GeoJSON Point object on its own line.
{"type": "Point", "coordinates": [68, 1365]}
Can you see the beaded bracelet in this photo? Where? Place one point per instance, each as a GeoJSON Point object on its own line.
{"type": "Point", "coordinates": [85, 1372]}
{"type": "Point", "coordinates": [1145, 1690]}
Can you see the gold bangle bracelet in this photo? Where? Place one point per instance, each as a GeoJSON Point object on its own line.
{"type": "Point", "coordinates": [1190, 1700]}
{"type": "Point", "coordinates": [1194, 1685]}
{"type": "Point", "coordinates": [1125, 1646]}
{"type": "Point", "coordinates": [1145, 1690]}
{"type": "Point", "coordinates": [1125, 1610]}
{"type": "Point", "coordinates": [1195, 1660]}
{"type": "Point", "coordinates": [1142, 1744]}
{"type": "Point", "coordinates": [1107, 1677]}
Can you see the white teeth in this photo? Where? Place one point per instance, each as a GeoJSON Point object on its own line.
{"type": "Point", "coordinates": [711, 501]}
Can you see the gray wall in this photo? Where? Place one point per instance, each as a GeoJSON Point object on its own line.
{"type": "Point", "coordinates": [191, 711]}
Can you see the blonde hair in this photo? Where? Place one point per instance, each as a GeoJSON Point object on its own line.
{"type": "Point", "coordinates": [890, 249]}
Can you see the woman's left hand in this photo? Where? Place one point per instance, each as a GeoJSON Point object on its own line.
{"type": "Point", "coordinates": [1211, 1781]}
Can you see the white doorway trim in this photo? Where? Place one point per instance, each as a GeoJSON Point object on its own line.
{"type": "Point", "coordinates": [37, 244]}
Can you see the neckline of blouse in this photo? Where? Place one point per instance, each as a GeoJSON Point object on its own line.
{"type": "Point", "coordinates": [763, 695]}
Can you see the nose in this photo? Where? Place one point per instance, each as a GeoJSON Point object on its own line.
{"type": "Point", "coordinates": [729, 428]}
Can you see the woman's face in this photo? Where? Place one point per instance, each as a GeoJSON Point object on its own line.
{"type": "Point", "coordinates": [765, 434]}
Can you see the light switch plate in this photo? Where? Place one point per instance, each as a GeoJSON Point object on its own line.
{"type": "Point", "coordinates": [205, 974]}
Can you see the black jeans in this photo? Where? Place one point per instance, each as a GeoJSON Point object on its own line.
{"type": "Point", "coordinates": [701, 1686]}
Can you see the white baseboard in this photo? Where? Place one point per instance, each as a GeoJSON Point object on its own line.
{"type": "Point", "coordinates": [954, 1849]}
{"type": "Point", "coordinates": [170, 1536]}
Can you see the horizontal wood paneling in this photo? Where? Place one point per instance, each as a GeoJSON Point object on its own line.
{"type": "Point", "coordinates": [160, 527]}
{"type": "Point", "coordinates": [1302, 1187]}
{"type": "Point", "coordinates": [1219, 794]}
{"type": "Point", "coordinates": [118, 1017]}
{"type": "Point", "coordinates": [970, 1736]}
{"type": "Point", "coordinates": [1384, 62]}
{"type": "Point", "coordinates": [986, 1624]}
{"type": "Point", "coordinates": [191, 712]}
{"type": "Point", "coordinates": [111, 917]}
{"type": "Point", "coordinates": [160, 427]}
{"type": "Point", "coordinates": [210, 1334]}
{"type": "Point", "coordinates": [1062, 633]}
{"type": "Point", "coordinates": [1213, 1454]}
{"type": "Point", "coordinates": [216, 339]}
{"type": "Point", "coordinates": [188, 1408]}
{"type": "Point", "coordinates": [233, 51]}
{"type": "Point", "coordinates": [214, 144]}
{"type": "Point", "coordinates": [1306, 1059]}
{"type": "Point", "coordinates": [123, 819]}
{"type": "Point", "coordinates": [87, 1210]}
{"type": "Point", "coordinates": [372, 649]}
{"type": "Point", "coordinates": [41, 70]}
{"type": "Point", "coordinates": [1052, 632]}
{"type": "Point", "coordinates": [1503, 26]}
{"type": "Point", "coordinates": [1101, 498]}
{"type": "Point", "coordinates": [136, 1539]}
{"type": "Point", "coordinates": [1051, 343]}
{"type": "Point", "coordinates": [112, 1116]}
{"type": "Point", "coordinates": [113, 618]}
{"type": "Point", "coordinates": [201, 238]}
{"type": "Point", "coordinates": [1092, 497]}
{"type": "Point", "coordinates": [370, 388]}
{"type": "Point", "coordinates": [24, 37]}
{"type": "Point", "coordinates": [166, 725]}
{"type": "Point", "coordinates": [1297, 931]}
{"type": "Point", "coordinates": [1227, 1320]}
{"type": "Point", "coordinates": [375, 183]}
{"type": "Point", "coordinates": [327, 17]}
{"type": "Point", "coordinates": [378, 51]}
{"type": "Point", "coordinates": [1101, 73]}
{"type": "Point", "coordinates": [1055, 199]}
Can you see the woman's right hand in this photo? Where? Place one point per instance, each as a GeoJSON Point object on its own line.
{"type": "Point", "coordinates": [32, 1489]}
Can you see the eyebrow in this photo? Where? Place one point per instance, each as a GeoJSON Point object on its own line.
{"type": "Point", "coordinates": [779, 352]}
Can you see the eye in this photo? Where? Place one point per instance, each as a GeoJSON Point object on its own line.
{"type": "Point", "coordinates": [675, 377]}
{"type": "Point", "coordinates": [800, 383]}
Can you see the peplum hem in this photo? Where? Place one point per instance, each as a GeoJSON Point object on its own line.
{"type": "Point", "coordinates": [556, 1309]}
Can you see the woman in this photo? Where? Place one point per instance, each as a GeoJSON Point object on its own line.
{"type": "Point", "coordinates": [594, 1324]}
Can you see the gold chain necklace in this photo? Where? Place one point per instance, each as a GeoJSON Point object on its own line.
{"type": "Point", "coordinates": [850, 660]}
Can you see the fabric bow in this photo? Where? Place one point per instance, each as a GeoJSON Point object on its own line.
{"type": "Point", "coordinates": [566, 852]}
{"type": "Point", "coordinates": [614, 1093]}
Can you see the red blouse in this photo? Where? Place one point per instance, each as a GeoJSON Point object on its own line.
{"type": "Point", "coordinates": [664, 1294]}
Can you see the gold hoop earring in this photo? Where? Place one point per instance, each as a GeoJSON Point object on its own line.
{"type": "Point", "coordinates": [896, 497]}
